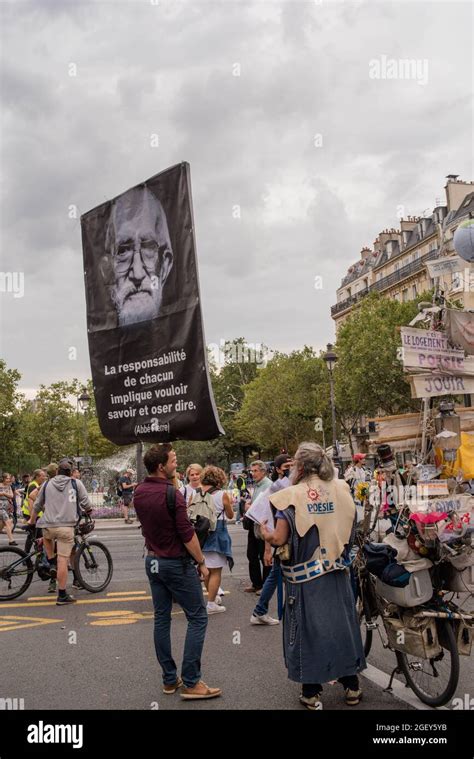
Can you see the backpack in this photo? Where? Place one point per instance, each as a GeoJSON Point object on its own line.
{"type": "Point", "coordinates": [202, 505]}
{"type": "Point", "coordinates": [201, 523]}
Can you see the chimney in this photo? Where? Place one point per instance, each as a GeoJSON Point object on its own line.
{"type": "Point", "coordinates": [456, 190]}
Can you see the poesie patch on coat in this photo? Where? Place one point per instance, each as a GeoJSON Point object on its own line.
{"type": "Point", "coordinates": [319, 503]}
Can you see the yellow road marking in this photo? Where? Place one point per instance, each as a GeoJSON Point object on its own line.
{"type": "Point", "coordinates": [38, 605]}
{"type": "Point", "coordinates": [127, 593]}
{"type": "Point", "coordinates": [36, 598]}
{"type": "Point", "coordinates": [45, 601]}
{"type": "Point", "coordinates": [8, 622]}
{"type": "Point", "coordinates": [121, 617]}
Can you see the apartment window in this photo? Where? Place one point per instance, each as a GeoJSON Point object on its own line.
{"type": "Point", "coordinates": [456, 282]}
{"type": "Point", "coordinates": [413, 292]}
{"type": "Point", "coordinates": [405, 295]}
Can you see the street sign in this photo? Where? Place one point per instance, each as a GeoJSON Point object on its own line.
{"type": "Point", "coordinates": [423, 340]}
{"type": "Point", "coordinates": [444, 266]}
{"type": "Point", "coordinates": [433, 359]}
{"type": "Point", "coordinates": [431, 385]}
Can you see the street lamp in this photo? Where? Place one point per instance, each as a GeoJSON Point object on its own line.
{"type": "Point", "coordinates": [330, 359]}
{"type": "Point", "coordinates": [83, 402]}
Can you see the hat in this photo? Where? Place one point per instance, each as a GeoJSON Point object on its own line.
{"type": "Point", "coordinates": [283, 458]}
{"type": "Point", "coordinates": [358, 457]}
{"type": "Point", "coordinates": [66, 464]}
{"type": "Point", "coordinates": [385, 454]}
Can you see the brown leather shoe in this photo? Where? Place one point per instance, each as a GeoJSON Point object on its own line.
{"type": "Point", "coordinates": [200, 690]}
{"type": "Point", "coordinates": [250, 589]}
{"type": "Point", "coordinates": [170, 689]}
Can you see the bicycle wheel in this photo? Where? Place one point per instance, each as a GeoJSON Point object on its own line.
{"type": "Point", "coordinates": [435, 680]}
{"type": "Point", "coordinates": [14, 580]}
{"type": "Point", "coordinates": [365, 632]}
{"type": "Point", "coordinates": [93, 566]}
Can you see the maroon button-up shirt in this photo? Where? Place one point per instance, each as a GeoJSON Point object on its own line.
{"type": "Point", "coordinates": [162, 536]}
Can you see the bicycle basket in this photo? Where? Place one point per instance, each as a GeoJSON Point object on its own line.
{"type": "Point", "coordinates": [84, 528]}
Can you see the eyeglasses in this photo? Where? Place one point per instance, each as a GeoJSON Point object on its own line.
{"type": "Point", "coordinates": [149, 251]}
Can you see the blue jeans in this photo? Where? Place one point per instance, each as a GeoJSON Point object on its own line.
{"type": "Point", "coordinates": [269, 587]}
{"type": "Point", "coordinates": [177, 579]}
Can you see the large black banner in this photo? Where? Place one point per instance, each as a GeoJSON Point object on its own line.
{"type": "Point", "coordinates": [146, 339]}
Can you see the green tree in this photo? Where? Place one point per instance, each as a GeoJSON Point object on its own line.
{"type": "Point", "coordinates": [201, 452]}
{"type": "Point", "coordinates": [229, 383]}
{"type": "Point", "coordinates": [369, 377]}
{"type": "Point", "coordinates": [287, 402]}
{"type": "Point", "coordinates": [10, 427]}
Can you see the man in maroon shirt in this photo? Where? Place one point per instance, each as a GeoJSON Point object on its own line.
{"type": "Point", "coordinates": [172, 545]}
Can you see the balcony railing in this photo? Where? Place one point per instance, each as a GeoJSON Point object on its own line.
{"type": "Point", "coordinates": [385, 282]}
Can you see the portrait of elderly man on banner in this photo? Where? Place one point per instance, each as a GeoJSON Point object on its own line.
{"type": "Point", "coordinates": [138, 245]}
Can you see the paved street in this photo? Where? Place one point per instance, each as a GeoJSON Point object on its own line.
{"type": "Point", "coordinates": [112, 664]}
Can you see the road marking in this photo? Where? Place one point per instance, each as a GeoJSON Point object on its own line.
{"type": "Point", "coordinates": [40, 601]}
{"type": "Point", "coordinates": [38, 605]}
{"type": "Point", "coordinates": [122, 617]}
{"type": "Point", "coordinates": [36, 598]}
{"type": "Point", "coordinates": [8, 622]}
{"type": "Point", "coordinates": [381, 679]}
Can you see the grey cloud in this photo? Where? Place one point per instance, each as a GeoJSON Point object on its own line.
{"type": "Point", "coordinates": [168, 69]}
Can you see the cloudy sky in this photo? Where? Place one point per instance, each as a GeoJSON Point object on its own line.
{"type": "Point", "coordinates": [241, 90]}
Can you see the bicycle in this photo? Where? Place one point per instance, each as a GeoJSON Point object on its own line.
{"type": "Point", "coordinates": [92, 563]}
{"type": "Point", "coordinates": [438, 629]}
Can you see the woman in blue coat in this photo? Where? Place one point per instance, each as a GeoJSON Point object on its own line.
{"type": "Point", "coordinates": [315, 521]}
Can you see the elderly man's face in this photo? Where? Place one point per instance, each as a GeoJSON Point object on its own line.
{"type": "Point", "coordinates": [142, 256]}
{"type": "Point", "coordinates": [257, 473]}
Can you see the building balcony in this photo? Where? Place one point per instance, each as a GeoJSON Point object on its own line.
{"type": "Point", "coordinates": [349, 302]}
{"type": "Point", "coordinates": [386, 282]}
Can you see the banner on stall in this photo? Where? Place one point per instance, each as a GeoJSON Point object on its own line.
{"type": "Point", "coordinates": [146, 338]}
{"type": "Point", "coordinates": [416, 359]}
{"type": "Point", "coordinates": [432, 385]}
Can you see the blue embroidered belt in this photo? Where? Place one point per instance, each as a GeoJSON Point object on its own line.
{"type": "Point", "coordinates": [310, 570]}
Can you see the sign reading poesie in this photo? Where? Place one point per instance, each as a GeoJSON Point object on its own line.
{"type": "Point", "coordinates": [146, 339]}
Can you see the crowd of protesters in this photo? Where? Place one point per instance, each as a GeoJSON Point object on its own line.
{"type": "Point", "coordinates": [182, 559]}
{"type": "Point", "coordinates": [184, 521]}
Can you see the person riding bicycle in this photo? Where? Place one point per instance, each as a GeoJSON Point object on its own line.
{"type": "Point", "coordinates": [64, 501]}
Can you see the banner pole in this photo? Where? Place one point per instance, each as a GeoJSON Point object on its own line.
{"type": "Point", "coordinates": [141, 474]}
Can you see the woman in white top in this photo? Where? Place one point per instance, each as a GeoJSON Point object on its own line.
{"type": "Point", "coordinates": [193, 476]}
{"type": "Point", "coordinates": [217, 549]}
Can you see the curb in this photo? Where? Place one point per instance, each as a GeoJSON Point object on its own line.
{"type": "Point", "coordinates": [118, 524]}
